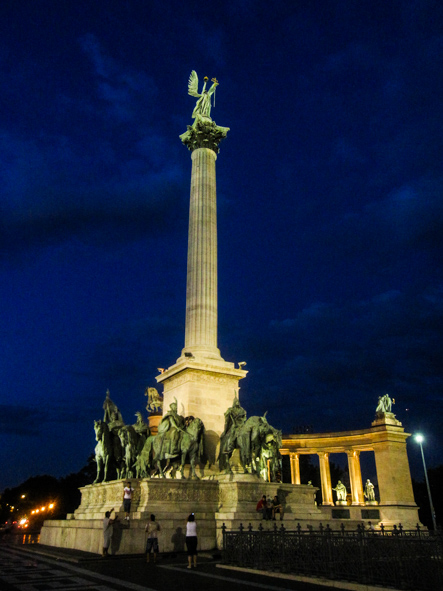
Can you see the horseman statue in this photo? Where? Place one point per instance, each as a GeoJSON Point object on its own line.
{"type": "Point", "coordinates": [257, 441]}
{"type": "Point", "coordinates": [170, 429]}
{"type": "Point", "coordinates": [113, 417]}
{"type": "Point", "coordinates": [235, 417]}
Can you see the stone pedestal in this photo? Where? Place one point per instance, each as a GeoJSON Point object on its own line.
{"type": "Point", "coordinates": [230, 501]}
{"type": "Point", "coordinates": [203, 389]}
{"type": "Point", "coordinates": [154, 421]}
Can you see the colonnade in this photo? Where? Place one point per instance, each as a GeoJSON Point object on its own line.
{"type": "Point", "coordinates": [385, 438]}
{"type": "Point", "coordinates": [357, 493]}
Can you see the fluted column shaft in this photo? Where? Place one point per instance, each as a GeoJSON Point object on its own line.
{"type": "Point", "coordinates": [325, 477]}
{"type": "Point", "coordinates": [295, 468]}
{"type": "Point", "coordinates": [355, 478]}
{"type": "Point", "coordinates": [201, 288]}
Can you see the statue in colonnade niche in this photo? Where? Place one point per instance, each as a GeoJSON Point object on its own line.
{"type": "Point", "coordinates": [369, 491]}
{"type": "Point", "coordinates": [341, 492]}
{"type": "Point", "coordinates": [384, 404]}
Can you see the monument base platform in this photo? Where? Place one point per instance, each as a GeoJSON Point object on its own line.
{"type": "Point", "coordinates": [231, 500]}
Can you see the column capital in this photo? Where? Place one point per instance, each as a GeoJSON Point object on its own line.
{"type": "Point", "coordinates": [353, 453]}
{"type": "Point", "coordinates": [204, 133]}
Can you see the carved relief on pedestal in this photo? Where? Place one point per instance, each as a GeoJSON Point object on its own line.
{"type": "Point", "coordinates": [200, 376]}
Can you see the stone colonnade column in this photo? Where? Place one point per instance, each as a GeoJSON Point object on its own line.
{"type": "Point", "coordinates": [295, 468]}
{"type": "Point", "coordinates": [355, 477]}
{"type": "Point", "coordinates": [325, 476]}
{"type": "Point", "coordinates": [201, 288]}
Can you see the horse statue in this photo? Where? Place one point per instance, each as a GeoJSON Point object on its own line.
{"type": "Point", "coordinates": [103, 450]}
{"type": "Point", "coordinates": [257, 442]}
{"type": "Point", "coordinates": [144, 463]}
{"type": "Point", "coordinates": [155, 401]}
{"type": "Point", "coordinates": [142, 432]}
{"type": "Point", "coordinates": [129, 440]}
{"type": "Point", "coordinates": [190, 444]}
{"type": "Point", "coordinates": [250, 438]}
{"type": "Point", "coordinates": [269, 464]}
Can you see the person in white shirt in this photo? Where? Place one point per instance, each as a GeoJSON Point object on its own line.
{"type": "Point", "coordinates": [107, 531]}
{"type": "Point", "coordinates": [191, 540]}
{"type": "Point", "coordinates": [127, 498]}
{"type": "Point", "coordinates": [152, 542]}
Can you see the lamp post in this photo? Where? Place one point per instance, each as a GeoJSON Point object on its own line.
{"type": "Point", "coordinates": [419, 439]}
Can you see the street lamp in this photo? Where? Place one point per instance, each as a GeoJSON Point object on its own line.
{"type": "Point", "coordinates": [419, 439]}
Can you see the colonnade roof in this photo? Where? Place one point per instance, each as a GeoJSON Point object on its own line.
{"type": "Point", "coordinates": [382, 430]}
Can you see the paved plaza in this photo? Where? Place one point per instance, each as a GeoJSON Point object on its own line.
{"type": "Point", "coordinates": [37, 568]}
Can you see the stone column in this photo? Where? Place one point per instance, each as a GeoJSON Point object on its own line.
{"type": "Point", "coordinates": [355, 478]}
{"type": "Point", "coordinates": [201, 288]}
{"type": "Point", "coordinates": [325, 476]}
{"type": "Point", "coordinates": [201, 381]}
{"type": "Point", "coordinates": [295, 468]}
{"type": "Point", "coordinates": [394, 477]}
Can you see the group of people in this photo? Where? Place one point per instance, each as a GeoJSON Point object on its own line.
{"type": "Point", "coordinates": [269, 509]}
{"type": "Point", "coordinates": [152, 529]}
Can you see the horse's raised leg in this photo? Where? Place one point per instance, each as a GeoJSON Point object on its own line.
{"type": "Point", "coordinates": [193, 472]}
{"type": "Point", "coordinates": [105, 469]}
{"type": "Point", "coordinates": [99, 469]}
{"type": "Point", "coordinates": [182, 466]}
{"type": "Point", "coordinates": [159, 468]}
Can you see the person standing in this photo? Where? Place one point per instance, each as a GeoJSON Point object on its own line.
{"type": "Point", "coordinates": [107, 531]}
{"type": "Point", "coordinates": [127, 498]}
{"type": "Point", "coordinates": [191, 540]}
{"type": "Point", "coordinates": [152, 542]}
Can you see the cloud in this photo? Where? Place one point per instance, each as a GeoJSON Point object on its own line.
{"type": "Point", "coordinates": [392, 341]}
{"type": "Point", "coordinates": [125, 92]}
{"type": "Point", "coordinates": [28, 421]}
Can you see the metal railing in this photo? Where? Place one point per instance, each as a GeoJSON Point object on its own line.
{"type": "Point", "coordinates": [404, 559]}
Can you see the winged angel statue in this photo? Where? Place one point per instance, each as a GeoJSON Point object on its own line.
{"type": "Point", "coordinates": [203, 106]}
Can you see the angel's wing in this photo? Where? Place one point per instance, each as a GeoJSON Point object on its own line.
{"type": "Point", "coordinates": [193, 84]}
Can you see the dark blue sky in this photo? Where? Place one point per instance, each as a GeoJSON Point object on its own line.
{"type": "Point", "coordinates": [329, 203]}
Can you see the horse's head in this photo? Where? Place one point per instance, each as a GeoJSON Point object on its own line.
{"type": "Point", "coordinates": [193, 425]}
{"type": "Point", "coordinates": [123, 435]}
{"type": "Point", "coordinates": [98, 428]}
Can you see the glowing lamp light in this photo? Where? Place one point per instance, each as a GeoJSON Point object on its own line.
{"type": "Point", "coordinates": [419, 439]}
{"type": "Point", "coordinates": [51, 506]}
{"type": "Point", "coordinates": [22, 521]}
{"type": "Point", "coordinates": [43, 508]}
{"type": "Point", "coordinates": [37, 510]}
